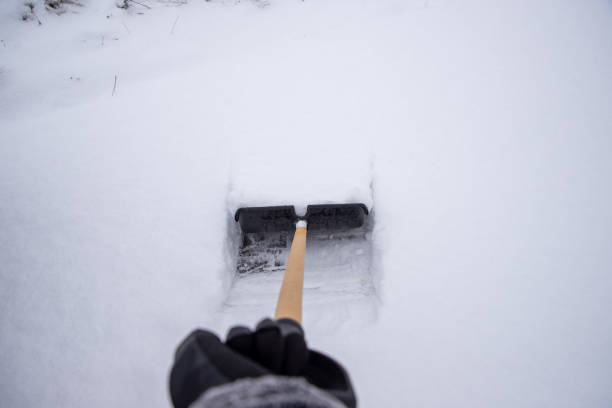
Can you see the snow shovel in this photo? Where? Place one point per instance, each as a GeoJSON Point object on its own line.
{"type": "Point", "coordinates": [320, 217]}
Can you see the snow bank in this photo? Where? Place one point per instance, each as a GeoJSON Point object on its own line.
{"type": "Point", "coordinates": [299, 170]}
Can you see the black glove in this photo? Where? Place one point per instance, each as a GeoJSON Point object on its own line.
{"type": "Point", "coordinates": [202, 361]}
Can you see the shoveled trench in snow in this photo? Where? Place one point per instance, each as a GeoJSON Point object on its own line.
{"type": "Point", "coordinates": [339, 282]}
{"type": "Point", "coordinates": [299, 167]}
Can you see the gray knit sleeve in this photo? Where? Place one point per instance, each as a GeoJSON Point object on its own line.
{"type": "Point", "coordinates": [267, 392]}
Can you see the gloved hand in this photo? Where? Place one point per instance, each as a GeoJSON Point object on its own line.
{"type": "Point", "coordinates": [203, 362]}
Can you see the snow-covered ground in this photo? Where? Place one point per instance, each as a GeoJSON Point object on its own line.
{"type": "Point", "coordinates": [479, 132]}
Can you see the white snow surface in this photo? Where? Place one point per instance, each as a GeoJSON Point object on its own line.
{"type": "Point", "coordinates": [478, 132]}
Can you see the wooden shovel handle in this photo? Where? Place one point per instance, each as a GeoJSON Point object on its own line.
{"type": "Point", "coordinates": [290, 297]}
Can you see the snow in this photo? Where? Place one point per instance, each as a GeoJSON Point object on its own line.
{"type": "Point", "coordinates": [477, 132]}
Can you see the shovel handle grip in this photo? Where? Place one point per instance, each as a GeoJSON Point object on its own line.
{"type": "Point", "coordinates": [290, 297]}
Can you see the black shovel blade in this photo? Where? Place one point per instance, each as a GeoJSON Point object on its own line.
{"type": "Point", "coordinates": [266, 219]}
{"type": "Point", "coordinates": [320, 217]}
{"type": "Point", "coordinates": [335, 217]}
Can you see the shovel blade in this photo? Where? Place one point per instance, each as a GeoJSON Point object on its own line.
{"type": "Point", "coordinates": [335, 217]}
{"type": "Point", "coordinates": [320, 217]}
{"type": "Point", "coordinates": [266, 219]}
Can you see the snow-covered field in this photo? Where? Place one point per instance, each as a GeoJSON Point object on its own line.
{"type": "Point", "coordinates": [479, 132]}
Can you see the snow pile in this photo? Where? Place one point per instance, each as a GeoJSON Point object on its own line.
{"type": "Point", "coordinates": [477, 131]}
{"type": "Point", "coordinates": [300, 169]}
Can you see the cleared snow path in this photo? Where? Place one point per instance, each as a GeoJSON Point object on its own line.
{"type": "Point", "coordinates": [339, 285]}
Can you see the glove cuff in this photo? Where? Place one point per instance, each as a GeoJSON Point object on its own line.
{"type": "Point", "coordinates": [267, 391]}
